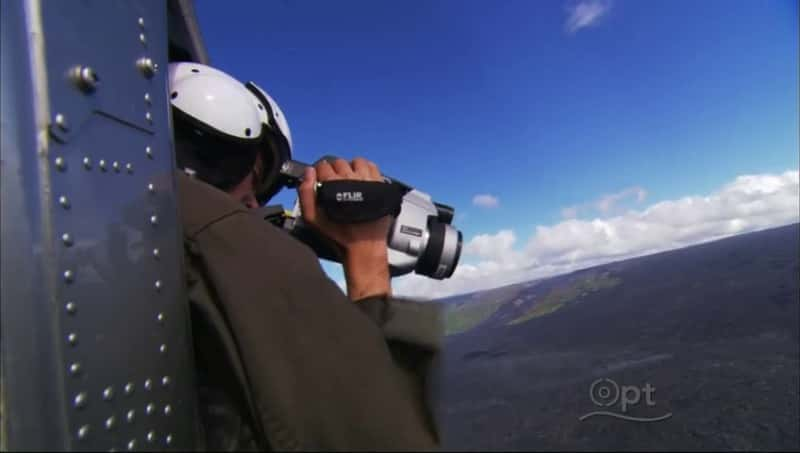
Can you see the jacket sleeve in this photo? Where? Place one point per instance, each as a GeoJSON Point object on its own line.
{"type": "Point", "coordinates": [413, 333]}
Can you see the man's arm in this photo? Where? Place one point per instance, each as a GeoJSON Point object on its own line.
{"type": "Point", "coordinates": [364, 248]}
{"type": "Point", "coordinates": [412, 330]}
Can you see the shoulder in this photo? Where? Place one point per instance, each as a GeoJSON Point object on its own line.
{"type": "Point", "coordinates": [210, 218]}
{"type": "Point", "coordinates": [201, 204]}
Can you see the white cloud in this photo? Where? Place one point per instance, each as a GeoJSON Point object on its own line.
{"type": "Point", "coordinates": [584, 13]}
{"type": "Point", "coordinates": [606, 204]}
{"type": "Point", "coordinates": [490, 245]}
{"type": "Point", "coordinates": [485, 201]}
{"type": "Point", "coordinates": [748, 203]}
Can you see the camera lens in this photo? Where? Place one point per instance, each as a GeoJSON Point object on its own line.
{"type": "Point", "coordinates": [457, 256]}
{"type": "Point", "coordinates": [432, 255]}
{"type": "Point", "coordinates": [450, 252]}
{"type": "Point", "coordinates": [440, 257]}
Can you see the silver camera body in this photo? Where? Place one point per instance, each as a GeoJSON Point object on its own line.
{"type": "Point", "coordinates": [422, 240]}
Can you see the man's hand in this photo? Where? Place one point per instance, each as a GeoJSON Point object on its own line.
{"type": "Point", "coordinates": [365, 260]}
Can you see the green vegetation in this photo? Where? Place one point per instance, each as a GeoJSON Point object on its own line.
{"type": "Point", "coordinates": [465, 317]}
{"type": "Point", "coordinates": [540, 309]}
{"type": "Point", "coordinates": [479, 308]}
{"type": "Point", "coordinates": [560, 297]}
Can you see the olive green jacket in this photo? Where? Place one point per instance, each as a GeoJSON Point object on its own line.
{"type": "Point", "coordinates": [285, 361]}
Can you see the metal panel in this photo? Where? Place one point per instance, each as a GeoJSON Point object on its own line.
{"type": "Point", "coordinates": [29, 355]}
{"type": "Point", "coordinates": [111, 312]}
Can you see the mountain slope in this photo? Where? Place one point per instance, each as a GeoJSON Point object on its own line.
{"type": "Point", "coordinates": [713, 328]}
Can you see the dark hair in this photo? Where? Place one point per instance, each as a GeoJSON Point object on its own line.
{"type": "Point", "coordinates": [219, 162]}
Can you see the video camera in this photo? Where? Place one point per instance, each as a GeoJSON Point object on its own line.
{"type": "Point", "coordinates": [421, 238]}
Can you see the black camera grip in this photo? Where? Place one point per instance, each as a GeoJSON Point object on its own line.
{"type": "Point", "coordinates": [353, 201]}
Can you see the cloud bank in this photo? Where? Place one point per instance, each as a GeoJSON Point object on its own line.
{"type": "Point", "coordinates": [748, 203]}
{"type": "Point", "coordinates": [606, 204]}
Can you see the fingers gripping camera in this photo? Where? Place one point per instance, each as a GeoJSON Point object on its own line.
{"type": "Point", "coordinates": [421, 238]}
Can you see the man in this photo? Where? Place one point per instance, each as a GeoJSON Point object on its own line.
{"type": "Point", "coordinates": [285, 360]}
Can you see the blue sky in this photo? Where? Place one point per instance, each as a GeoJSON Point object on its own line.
{"type": "Point", "coordinates": [543, 105]}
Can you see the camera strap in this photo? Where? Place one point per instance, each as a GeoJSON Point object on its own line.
{"type": "Point", "coordinates": [352, 201]}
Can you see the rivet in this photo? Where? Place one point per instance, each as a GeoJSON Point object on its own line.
{"type": "Point", "coordinates": [64, 202]}
{"type": "Point", "coordinates": [61, 122]}
{"type": "Point", "coordinates": [151, 187]}
{"type": "Point", "coordinates": [102, 164]}
{"type": "Point", "coordinates": [129, 167]}
{"type": "Point", "coordinates": [71, 308]}
{"type": "Point", "coordinates": [167, 409]}
{"type": "Point", "coordinates": [142, 38]}
{"type": "Point", "coordinates": [146, 66]}
{"type": "Point", "coordinates": [108, 393]}
{"type": "Point", "coordinates": [80, 400]}
{"type": "Point", "coordinates": [150, 409]}
{"type": "Point", "coordinates": [115, 166]}
{"type": "Point", "coordinates": [160, 318]}
{"type": "Point", "coordinates": [129, 388]}
{"type": "Point", "coordinates": [72, 339]}
{"type": "Point", "coordinates": [141, 22]}
{"type": "Point", "coordinates": [66, 238]}
{"type": "Point", "coordinates": [156, 253]}
{"type": "Point", "coordinates": [75, 368]}
{"type": "Point", "coordinates": [154, 219]}
{"type": "Point", "coordinates": [165, 381]}
{"type": "Point", "coordinates": [69, 277]}
{"type": "Point", "coordinates": [162, 349]}
{"type": "Point", "coordinates": [87, 163]}
{"type": "Point", "coordinates": [83, 432]}
{"type": "Point", "coordinates": [148, 384]}
{"type": "Point", "coordinates": [151, 436]}
{"type": "Point", "coordinates": [110, 422]}
{"type": "Point", "coordinates": [131, 416]}
{"type": "Point", "coordinates": [132, 444]}
{"type": "Point", "coordinates": [61, 164]}
{"type": "Point", "coordinates": [148, 151]}
{"type": "Point", "coordinates": [158, 285]}
{"type": "Point", "coordinates": [148, 117]}
{"type": "Point", "coordinates": [147, 98]}
{"type": "Point", "coordinates": [84, 78]}
{"type": "Point", "coordinates": [168, 439]}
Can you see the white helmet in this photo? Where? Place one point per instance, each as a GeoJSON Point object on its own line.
{"type": "Point", "coordinates": [222, 124]}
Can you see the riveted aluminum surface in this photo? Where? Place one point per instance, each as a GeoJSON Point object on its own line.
{"type": "Point", "coordinates": [78, 270]}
